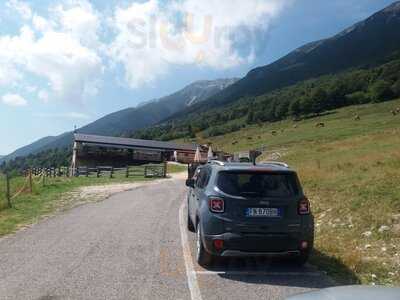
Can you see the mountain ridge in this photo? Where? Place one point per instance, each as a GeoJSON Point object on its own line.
{"type": "Point", "coordinates": [368, 42]}
{"type": "Point", "coordinates": [365, 44]}
{"type": "Point", "coordinates": [120, 122]}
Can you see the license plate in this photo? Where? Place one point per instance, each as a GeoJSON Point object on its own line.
{"type": "Point", "coordinates": [267, 212]}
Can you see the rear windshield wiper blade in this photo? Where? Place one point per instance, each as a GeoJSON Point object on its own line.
{"type": "Point", "coordinates": [251, 193]}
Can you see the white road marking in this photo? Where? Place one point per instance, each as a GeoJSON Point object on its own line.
{"type": "Point", "coordinates": [258, 273]}
{"type": "Point", "coordinates": [190, 273]}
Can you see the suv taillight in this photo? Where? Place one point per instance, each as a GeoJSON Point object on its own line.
{"type": "Point", "coordinates": [216, 205]}
{"type": "Point", "coordinates": [304, 207]}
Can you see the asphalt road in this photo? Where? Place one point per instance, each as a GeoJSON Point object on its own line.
{"type": "Point", "coordinates": [133, 246]}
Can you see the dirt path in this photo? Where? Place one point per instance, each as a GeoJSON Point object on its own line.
{"type": "Point", "coordinates": [96, 193]}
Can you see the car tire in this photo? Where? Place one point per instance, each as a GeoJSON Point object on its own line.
{"type": "Point", "coordinates": [203, 258]}
{"type": "Point", "coordinates": [190, 224]}
{"type": "Point", "coordinates": [302, 259]}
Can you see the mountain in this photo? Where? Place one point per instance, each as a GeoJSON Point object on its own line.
{"type": "Point", "coordinates": [365, 44]}
{"type": "Point", "coordinates": [31, 148]}
{"type": "Point", "coordinates": [130, 119]}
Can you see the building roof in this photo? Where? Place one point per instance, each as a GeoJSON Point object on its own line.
{"type": "Point", "coordinates": [118, 142]}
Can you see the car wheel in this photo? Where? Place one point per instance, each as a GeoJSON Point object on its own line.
{"type": "Point", "coordinates": [203, 258]}
{"type": "Point", "coordinates": [301, 259]}
{"type": "Point", "coordinates": [190, 224]}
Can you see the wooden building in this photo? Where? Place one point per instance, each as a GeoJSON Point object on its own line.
{"type": "Point", "coordinates": [94, 150]}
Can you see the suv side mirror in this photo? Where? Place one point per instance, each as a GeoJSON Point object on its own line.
{"type": "Point", "coordinates": [190, 183]}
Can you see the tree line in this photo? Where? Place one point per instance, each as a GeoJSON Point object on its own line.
{"type": "Point", "coordinates": [304, 99]}
{"type": "Point", "coordinates": [58, 157]}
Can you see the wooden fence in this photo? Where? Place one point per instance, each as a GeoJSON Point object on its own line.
{"type": "Point", "coordinates": [150, 170]}
{"type": "Point", "coordinates": [129, 171]}
{"type": "Point", "coordinates": [11, 188]}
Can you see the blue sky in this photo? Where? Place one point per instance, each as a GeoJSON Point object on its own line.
{"type": "Point", "coordinates": [69, 62]}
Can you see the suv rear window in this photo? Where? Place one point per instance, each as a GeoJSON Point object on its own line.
{"type": "Point", "coordinates": [256, 184]}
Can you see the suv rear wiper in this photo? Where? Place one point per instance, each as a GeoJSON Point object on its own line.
{"type": "Point", "coordinates": [251, 193]}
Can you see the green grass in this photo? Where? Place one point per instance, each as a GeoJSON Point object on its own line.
{"type": "Point", "coordinates": [175, 168]}
{"type": "Point", "coordinates": [350, 170]}
{"type": "Point", "coordinates": [29, 208]}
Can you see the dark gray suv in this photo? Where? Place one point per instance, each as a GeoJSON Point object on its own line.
{"type": "Point", "coordinates": [241, 209]}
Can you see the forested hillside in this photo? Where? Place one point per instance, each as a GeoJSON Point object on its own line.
{"type": "Point", "coordinates": [305, 99]}
{"type": "Point", "coordinates": [365, 44]}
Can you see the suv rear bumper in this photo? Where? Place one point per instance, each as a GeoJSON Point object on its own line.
{"type": "Point", "coordinates": [244, 245]}
{"type": "Point", "coordinates": [237, 253]}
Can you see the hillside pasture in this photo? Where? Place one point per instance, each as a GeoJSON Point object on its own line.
{"type": "Point", "coordinates": [350, 170]}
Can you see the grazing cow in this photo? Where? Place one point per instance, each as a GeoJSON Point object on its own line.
{"type": "Point", "coordinates": [394, 112]}
{"type": "Point", "coordinates": [295, 126]}
{"type": "Point", "coordinates": [249, 138]}
{"type": "Point", "coordinates": [274, 132]}
{"type": "Point", "coordinates": [398, 110]}
{"type": "Point", "coordinates": [357, 118]}
{"type": "Point", "coordinates": [234, 142]}
{"type": "Point", "coordinates": [320, 125]}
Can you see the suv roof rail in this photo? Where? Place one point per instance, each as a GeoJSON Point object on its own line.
{"type": "Point", "coordinates": [218, 162]}
{"type": "Point", "coordinates": [278, 163]}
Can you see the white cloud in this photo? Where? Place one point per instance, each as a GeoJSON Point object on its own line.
{"type": "Point", "coordinates": [80, 20]}
{"type": "Point", "coordinates": [8, 73]}
{"type": "Point", "coordinates": [60, 50]}
{"type": "Point", "coordinates": [14, 100]}
{"type": "Point", "coordinates": [43, 95]}
{"type": "Point", "coordinates": [21, 7]}
{"type": "Point", "coordinates": [150, 36]}
{"type": "Point", "coordinates": [65, 52]}
{"type": "Point", "coordinates": [31, 88]}
{"type": "Point", "coordinates": [41, 24]}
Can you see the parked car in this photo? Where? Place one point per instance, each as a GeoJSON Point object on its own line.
{"type": "Point", "coordinates": [241, 209]}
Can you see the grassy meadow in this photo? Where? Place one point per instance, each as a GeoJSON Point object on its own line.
{"type": "Point", "coordinates": [350, 170]}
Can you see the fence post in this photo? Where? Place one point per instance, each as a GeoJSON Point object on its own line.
{"type": "Point", "coordinates": [127, 171]}
{"type": "Point", "coordinates": [87, 171]}
{"type": "Point", "coordinates": [30, 181]}
{"type": "Point", "coordinates": [111, 172]}
{"type": "Point", "coordinates": [98, 172]}
{"type": "Point", "coordinates": [165, 169]}
{"type": "Point", "coordinates": [8, 195]}
{"type": "Point", "coordinates": [43, 179]}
